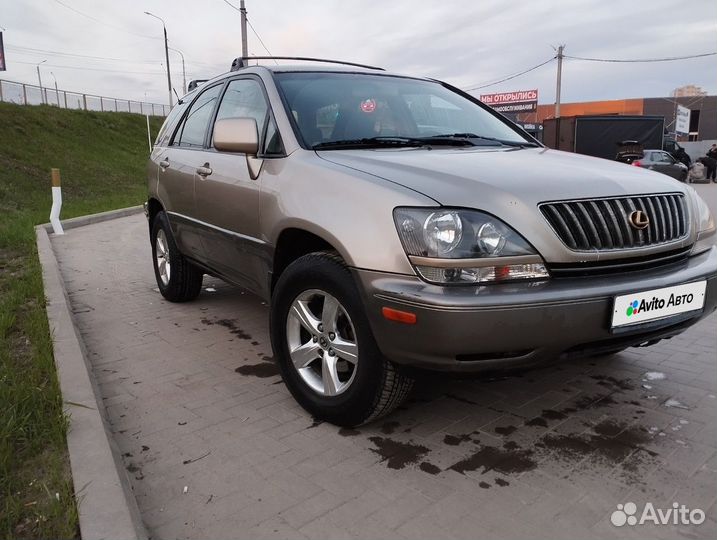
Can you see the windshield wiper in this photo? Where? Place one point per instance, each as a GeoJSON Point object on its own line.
{"type": "Point", "coordinates": [378, 142]}
{"type": "Point", "coordinates": [468, 136]}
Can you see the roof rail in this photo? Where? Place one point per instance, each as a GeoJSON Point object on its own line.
{"type": "Point", "coordinates": [196, 82]}
{"type": "Point", "coordinates": [240, 62]}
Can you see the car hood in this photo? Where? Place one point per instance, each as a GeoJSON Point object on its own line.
{"type": "Point", "coordinates": [510, 183]}
{"type": "Point", "coordinates": [487, 179]}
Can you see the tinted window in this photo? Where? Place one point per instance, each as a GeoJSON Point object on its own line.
{"type": "Point", "coordinates": [192, 131]}
{"type": "Point", "coordinates": [244, 98]}
{"type": "Point", "coordinates": [340, 106]}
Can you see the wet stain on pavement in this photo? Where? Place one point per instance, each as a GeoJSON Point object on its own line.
{"type": "Point", "coordinates": [505, 430]}
{"type": "Point", "coordinates": [537, 421]}
{"type": "Point", "coordinates": [550, 414]}
{"type": "Point", "coordinates": [262, 370]}
{"type": "Point", "coordinates": [230, 324]}
{"type": "Point", "coordinates": [455, 440]}
{"type": "Point", "coordinates": [612, 382]}
{"type": "Point", "coordinates": [461, 399]}
{"type": "Point", "coordinates": [490, 458]}
{"type": "Point", "coordinates": [397, 455]}
{"type": "Point", "coordinates": [429, 468]}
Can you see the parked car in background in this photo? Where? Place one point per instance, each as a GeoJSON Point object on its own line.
{"type": "Point", "coordinates": [395, 223]}
{"type": "Point", "coordinates": [661, 161]}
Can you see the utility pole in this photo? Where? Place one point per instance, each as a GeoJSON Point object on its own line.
{"type": "Point", "coordinates": [166, 56]}
{"type": "Point", "coordinates": [244, 48]}
{"type": "Point", "coordinates": [560, 74]}
{"type": "Point", "coordinates": [57, 92]}
{"type": "Point", "coordinates": [39, 80]}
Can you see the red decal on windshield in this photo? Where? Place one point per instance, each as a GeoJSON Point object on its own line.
{"type": "Point", "coordinates": [368, 105]}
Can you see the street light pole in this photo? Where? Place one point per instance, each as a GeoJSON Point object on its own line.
{"type": "Point", "coordinates": [184, 71]}
{"type": "Point", "coordinates": [57, 92]}
{"type": "Point", "coordinates": [39, 80]}
{"type": "Point", "coordinates": [166, 56]}
{"type": "Point", "coordinates": [244, 47]}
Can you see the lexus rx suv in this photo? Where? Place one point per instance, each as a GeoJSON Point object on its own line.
{"type": "Point", "coordinates": [396, 223]}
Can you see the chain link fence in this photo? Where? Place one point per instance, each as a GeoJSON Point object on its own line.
{"type": "Point", "coordinates": [30, 94]}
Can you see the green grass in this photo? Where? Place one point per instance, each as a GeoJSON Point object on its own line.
{"type": "Point", "coordinates": [102, 159]}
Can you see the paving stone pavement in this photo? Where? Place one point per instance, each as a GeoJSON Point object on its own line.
{"type": "Point", "coordinates": [217, 448]}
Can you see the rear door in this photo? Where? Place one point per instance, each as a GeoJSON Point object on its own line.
{"type": "Point", "coordinates": [228, 197]}
{"type": "Point", "coordinates": [178, 171]}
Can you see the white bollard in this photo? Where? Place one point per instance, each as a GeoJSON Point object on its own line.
{"type": "Point", "coordinates": [56, 203]}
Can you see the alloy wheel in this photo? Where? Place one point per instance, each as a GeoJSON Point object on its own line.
{"type": "Point", "coordinates": [322, 342]}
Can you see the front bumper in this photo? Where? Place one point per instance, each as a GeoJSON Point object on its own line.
{"type": "Point", "coordinates": [499, 326]}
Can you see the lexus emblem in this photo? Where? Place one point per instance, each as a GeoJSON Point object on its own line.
{"type": "Point", "coordinates": [639, 220]}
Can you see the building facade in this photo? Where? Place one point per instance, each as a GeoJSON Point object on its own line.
{"type": "Point", "coordinates": [703, 112]}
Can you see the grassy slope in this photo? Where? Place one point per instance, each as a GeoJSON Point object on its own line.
{"type": "Point", "coordinates": [102, 158]}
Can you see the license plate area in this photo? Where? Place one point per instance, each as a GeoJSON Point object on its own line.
{"type": "Point", "coordinates": [643, 306]}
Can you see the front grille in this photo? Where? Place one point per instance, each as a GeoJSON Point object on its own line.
{"type": "Point", "coordinates": [619, 266]}
{"type": "Point", "coordinates": [604, 224]}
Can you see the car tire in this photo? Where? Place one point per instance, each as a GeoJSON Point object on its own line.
{"type": "Point", "coordinates": [178, 279]}
{"type": "Point", "coordinates": [316, 306]}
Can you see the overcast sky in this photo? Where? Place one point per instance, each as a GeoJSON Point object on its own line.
{"type": "Point", "coordinates": [467, 43]}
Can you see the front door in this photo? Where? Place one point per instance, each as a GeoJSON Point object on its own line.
{"type": "Point", "coordinates": [227, 197]}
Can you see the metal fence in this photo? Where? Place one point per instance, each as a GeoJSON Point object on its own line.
{"type": "Point", "coordinates": [30, 94]}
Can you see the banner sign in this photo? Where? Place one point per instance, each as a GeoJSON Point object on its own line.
{"type": "Point", "coordinates": [521, 101]}
{"type": "Point", "coordinates": [2, 54]}
{"type": "Point", "coordinates": [682, 119]}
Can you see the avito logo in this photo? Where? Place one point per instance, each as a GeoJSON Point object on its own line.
{"type": "Point", "coordinates": [638, 306]}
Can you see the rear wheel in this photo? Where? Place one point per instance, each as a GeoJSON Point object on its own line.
{"type": "Point", "coordinates": [325, 348]}
{"type": "Point", "coordinates": [178, 279]}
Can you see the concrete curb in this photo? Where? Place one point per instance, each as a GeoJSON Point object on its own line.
{"type": "Point", "coordinates": [106, 505]}
{"type": "Point", "coordinates": [81, 221]}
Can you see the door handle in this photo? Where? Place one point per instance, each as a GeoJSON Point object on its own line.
{"type": "Point", "coordinates": [164, 164]}
{"type": "Point", "coordinates": [204, 170]}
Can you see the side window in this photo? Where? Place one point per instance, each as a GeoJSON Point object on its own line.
{"type": "Point", "coordinates": [272, 139]}
{"type": "Point", "coordinates": [191, 132]}
{"type": "Point", "coordinates": [169, 124]}
{"type": "Point", "coordinates": [244, 99]}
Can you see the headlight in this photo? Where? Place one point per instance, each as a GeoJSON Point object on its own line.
{"type": "Point", "coordinates": [705, 224]}
{"type": "Point", "coordinates": [465, 246]}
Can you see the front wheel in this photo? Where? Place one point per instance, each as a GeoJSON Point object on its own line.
{"type": "Point", "coordinates": [178, 279]}
{"type": "Point", "coordinates": [325, 348]}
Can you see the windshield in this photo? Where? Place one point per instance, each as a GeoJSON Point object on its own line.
{"type": "Point", "coordinates": [332, 107]}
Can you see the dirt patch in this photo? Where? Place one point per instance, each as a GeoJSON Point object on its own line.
{"type": "Point", "coordinates": [348, 432]}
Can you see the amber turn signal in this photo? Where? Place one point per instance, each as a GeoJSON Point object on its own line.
{"type": "Point", "coordinates": [399, 316]}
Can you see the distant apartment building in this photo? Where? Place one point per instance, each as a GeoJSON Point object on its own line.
{"type": "Point", "coordinates": [689, 90]}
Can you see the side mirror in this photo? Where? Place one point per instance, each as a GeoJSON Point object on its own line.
{"type": "Point", "coordinates": [236, 135]}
